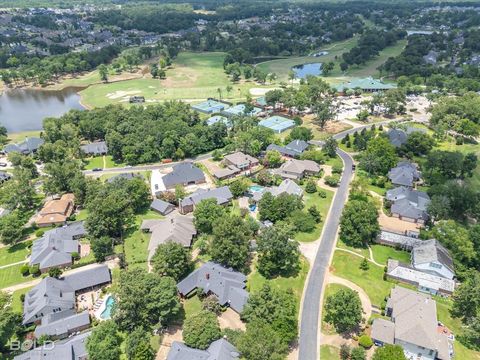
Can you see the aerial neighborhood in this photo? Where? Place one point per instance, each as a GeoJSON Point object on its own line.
{"type": "Point", "coordinates": [251, 180]}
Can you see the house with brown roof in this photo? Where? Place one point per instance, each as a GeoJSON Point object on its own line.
{"type": "Point", "coordinates": [296, 169]}
{"type": "Point", "coordinates": [57, 211]}
{"type": "Point", "coordinates": [413, 325]}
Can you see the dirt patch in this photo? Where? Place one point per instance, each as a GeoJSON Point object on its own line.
{"type": "Point", "coordinates": [395, 225]}
{"type": "Point", "coordinates": [84, 250]}
{"type": "Point", "coordinates": [231, 320]}
{"type": "Point", "coordinates": [173, 333]}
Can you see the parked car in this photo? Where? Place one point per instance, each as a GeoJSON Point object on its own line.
{"type": "Point", "coordinates": [97, 169]}
{"type": "Point", "coordinates": [2, 164]}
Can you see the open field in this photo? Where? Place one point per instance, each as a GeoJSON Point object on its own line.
{"type": "Point", "coordinates": [13, 254]}
{"type": "Point", "coordinates": [192, 78]}
{"type": "Point", "coordinates": [328, 352]}
{"type": "Point", "coordinates": [11, 276]}
{"type": "Point", "coordinates": [323, 205]}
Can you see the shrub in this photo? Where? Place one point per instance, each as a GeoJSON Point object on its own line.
{"type": "Point", "coordinates": [322, 194]}
{"type": "Point", "coordinates": [365, 341]}
{"type": "Point", "coordinates": [34, 270]}
{"type": "Point", "coordinates": [364, 265]}
{"type": "Point", "coordinates": [332, 180]}
{"type": "Point", "coordinates": [311, 187]}
{"type": "Point", "coordinates": [39, 233]}
{"type": "Point", "coordinates": [25, 270]}
{"type": "Point", "coordinates": [210, 303]}
{"type": "Point", "coordinates": [337, 169]}
{"type": "Point", "coordinates": [75, 255]}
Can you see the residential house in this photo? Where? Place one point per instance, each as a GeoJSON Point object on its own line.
{"type": "Point", "coordinates": [222, 196]}
{"type": "Point", "coordinates": [62, 324]}
{"type": "Point", "coordinates": [56, 212]}
{"type": "Point", "coordinates": [185, 173]}
{"type": "Point", "coordinates": [297, 169]}
{"type": "Point", "coordinates": [432, 257]}
{"type": "Point", "coordinates": [287, 186]}
{"type": "Point", "coordinates": [4, 176]}
{"type": "Point", "coordinates": [28, 146]}
{"type": "Point", "coordinates": [226, 284]}
{"type": "Point", "coordinates": [52, 296]}
{"type": "Point", "coordinates": [56, 246]}
{"type": "Point", "coordinates": [404, 174]}
{"type": "Point", "coordinates": [293, 149]}
{"type": "Point", "coordinates": [413, 325]}
{"type": "Point", "coordinates": [400, 241]}
{"type": "Point", "coordinates": [177, 228]}
{"type": "Point", "coordinates": [162, 207]}
{"type": "Point", "coordinates": [431, 57]}
{"type": "Point", "coordinates": [398, 137]}
{"type": "Point", "coordinates": [95, 149]}
{"type": "Point", "coordinates": [72, 349]}
{"type": "Point", "coordinates": [220, 349]}
{"type": "Point", "coordinates": [240, 160]}
{"type": "Point", "coordinates": [409, 205]}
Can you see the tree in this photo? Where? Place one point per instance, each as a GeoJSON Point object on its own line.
{"type": "Point", "coordinates": [344, 310]}
{"type": "Point", "coordinates": [104, 342]}
{"type": "Point", "coordinates": [205, 213]}
{"type": "Point", "coordinates": [201, 329]}
{"type": "Point", "coordinates": [172, 259]}
{"type": "Point", "coordinates": [102, 247]}
{"type": "Point", "coordinates": [364, 265]}
{"type": "Point", "coordinates": [345, 351]}
{"type": "Point", "coordinates": [273, 159]}
{"type": "Point", "coordinates": [278, 208]}
{"type": "Point", "coordinates": [302, 222]}
{"type": "Point", "coordinates": [261, 342]}
{"type": "Point", "coordinates": [277, 255]}
{"type": "Point", "coordinates": [55, 272]}
{"type": "Point", "coordinates": [300, 133]}
{"type": "Point", "coordinates": [359, 223]}
{"type": "Point", "coordinates": [379, 157]}
{"type": "Point", "coordinates": [11, 228]}
{"type": "Point", "coordinates": [466, 299]}
{"type": "Point", "coordinates": [9, 321]}
{"type": "Point", "coordinates": [330, 147]}
{"type": "Point", "coordinates": [358, 353]}
{"type": "Point", "coordinates": [103, 72]}
{"type": "Point", "coordinates": [315, 214]}
{"type": "Point", "coordinates": [324, 110]}
{"type": "Point", "coordinates": [311, 186]}
{"type": "Point", "coordinates": [327, 68]}
{"type": "Point", "coordinates": [418, 144]}
{"type": "Point", "coordinates": [145, 299]}
{"type": "Point", "coordinates": [230, 243]}
{"type": "Point", "coordinates": [274, 307]}
{"type": "Point", "coordinates": [239, 187]}
{"type": "Point", "coordinates": [137, 345]}
{"type": "Point", "coordinates": [389, 352]}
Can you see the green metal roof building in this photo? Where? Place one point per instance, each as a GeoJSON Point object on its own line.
{"type": "Point", "coordinates": [366, 84]}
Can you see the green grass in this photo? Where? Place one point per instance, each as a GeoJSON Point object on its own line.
{"type": "Point", "coordinates": [109, 163]}
{"type": "Point", "coordinates": [323, 205]}
{"type": "Point", "coordinates": [13, 254]}
{"type": "Point", "coordinates": [17, 304]}
{"type": "Point", "coordinates": [256, 280]}
{"type": "Point", "coordinates": [94, 162]}
{"type": "Point", "coordinates": [331, 289]}
{"type": "Point", "coordinates": [192, 306]}
{"type": "Point", "coordinates": [20, 136]}
{"type": "Point", "coordinates": [382, 253]}
{"type": "Point", "coordinates": [136, 243]}
{"type": "Point", "coordinates": [335, 161]}
{"type": "Point", "coordinates": [328, 352]}
{"type": "Point", "coordinates": [348, 266]}
{"type": "Point", "coordinates": [11, 276]}
{"type": "Point", "coordinates": [82, 214]}
{"type": "Point", "coordinates": [193, 77]}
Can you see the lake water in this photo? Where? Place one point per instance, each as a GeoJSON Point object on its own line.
{"type": "Point", "coordinates": [302, 71]}
{"type": "Point", "coordinates": [25, 109]}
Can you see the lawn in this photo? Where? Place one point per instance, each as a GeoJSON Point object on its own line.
{"type": "Point", "coordinates": [331, 289]}
{"type": "Point", "coordinates": [256, 281]}
{"type": "Point", "coordinates": [347, 266]}
{"type": "Point", "coordinates": [136, 243]}
{"type": "Point", "coordinates": [17, 304]}
{"type": "Point", "coordinates": [382, 253]}
{"type": "Point", "coordinates": [328, 352]}
{"type": "Point", "coordinates": [323, 205]}
{"type": "Point", "coordinates": [192, 306]}
{"type": "Point", "coordinates": [193, 77]}
{"type": "Point", "coordinates": [13, 254]}
{"type": "Point", "coordinates": [94, 162]}
{"type": "Point", "coordinates": [20, 136]}
{"type": "Point", "coordinates": [11, 276]}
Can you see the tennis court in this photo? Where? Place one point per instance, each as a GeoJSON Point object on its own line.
{"type": "Point", "coordinates": [277, 123]}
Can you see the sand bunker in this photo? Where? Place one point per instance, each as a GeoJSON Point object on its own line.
{"type": "Point", "coordinates": [121, 94]}
{"type": "Point", "coordinates": [260, 91]}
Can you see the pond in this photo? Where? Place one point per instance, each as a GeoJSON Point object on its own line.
{"type": "Point", "coordinates": [302, 71]}
{"type": "Point", "coordinates": [25, 109]}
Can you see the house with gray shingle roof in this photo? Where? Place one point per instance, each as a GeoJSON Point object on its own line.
{"type": "Point", "coordinates": [53, 295]}
{"type": "Point", "coordinates": [240, 160]}
{"type": "Point", "coordinates": [413, 325]}
{"type": "Point", "coordinates": [55, 247]}
{"type": "Point", "coordinates": [28, 146]}
{"type": "Point", "coordinates": [297, 169]}
{"type": "Point", "coordinates": [71, 349]}
{"type": "Point", "coordinates": [125, 176]}
{"type": "Point", "coordinates": [226, 284]}
{"type": "Point", "coordinates": [162, 207]}
{"type": "Point", "coordinates": [218, 350]}
{"type": "Point", "coordinates": [409, 205]}
{"type": "Point", "coordinates": [432, 257]}
{"type": "Point", "coordinates": [397, 137]}
{"type": "Point", "coordinates": [185, 174]}
{"type": "Point", "coordinates": [176, 228]}
{"type": "Point", "coordinates": [404, 174]}
{"type": "Point", "coordinates": [62, 324]}
{"type": "Point", "coordinates": [222, 195]}
{"type": "Point", "coordinates": [293, 149]}
{"type": "Point", "coordinates": [287, 186]}
{"type": "Point", "coordinates": [95, 149]}
{"type": "Point", "coordinates": [4, 176]}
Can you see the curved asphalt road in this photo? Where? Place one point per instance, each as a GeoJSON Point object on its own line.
{"type": "Point", "coordinates": [309, 322]}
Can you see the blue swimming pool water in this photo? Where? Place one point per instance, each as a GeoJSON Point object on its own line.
{"type": "Point", "coordinates": [256, 188]}
{"type": "Point", "coordinates": [107, 313]}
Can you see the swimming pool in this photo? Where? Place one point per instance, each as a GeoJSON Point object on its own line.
{"type": "Point", "coordinates": [107, 313]}
{"type": "Point", "coordinates": [256, 188]}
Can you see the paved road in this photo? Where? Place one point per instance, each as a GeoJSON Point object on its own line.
{"type": "Point", "coordinates": [130, 169]}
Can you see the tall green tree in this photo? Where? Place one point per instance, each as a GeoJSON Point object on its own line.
{"type": "Point", "coordinates": [359, 223]}
{"type": "Point", "coordinates": [343, 310]}
{"type": "Point", "coordinates": [137, 345]}
{"type": "Point", "coordinates": [104, 342]}
{"type": "Point", "coordinates": [389, 352]}
{"type": "Point", "coordinates": [379, 157]}
{"type": "Point", "coordinates": [205, 214]}
{"type": "Point", "coordinates": [172, 259]}
{"type": "Point", "coordinates": [201, 329]}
